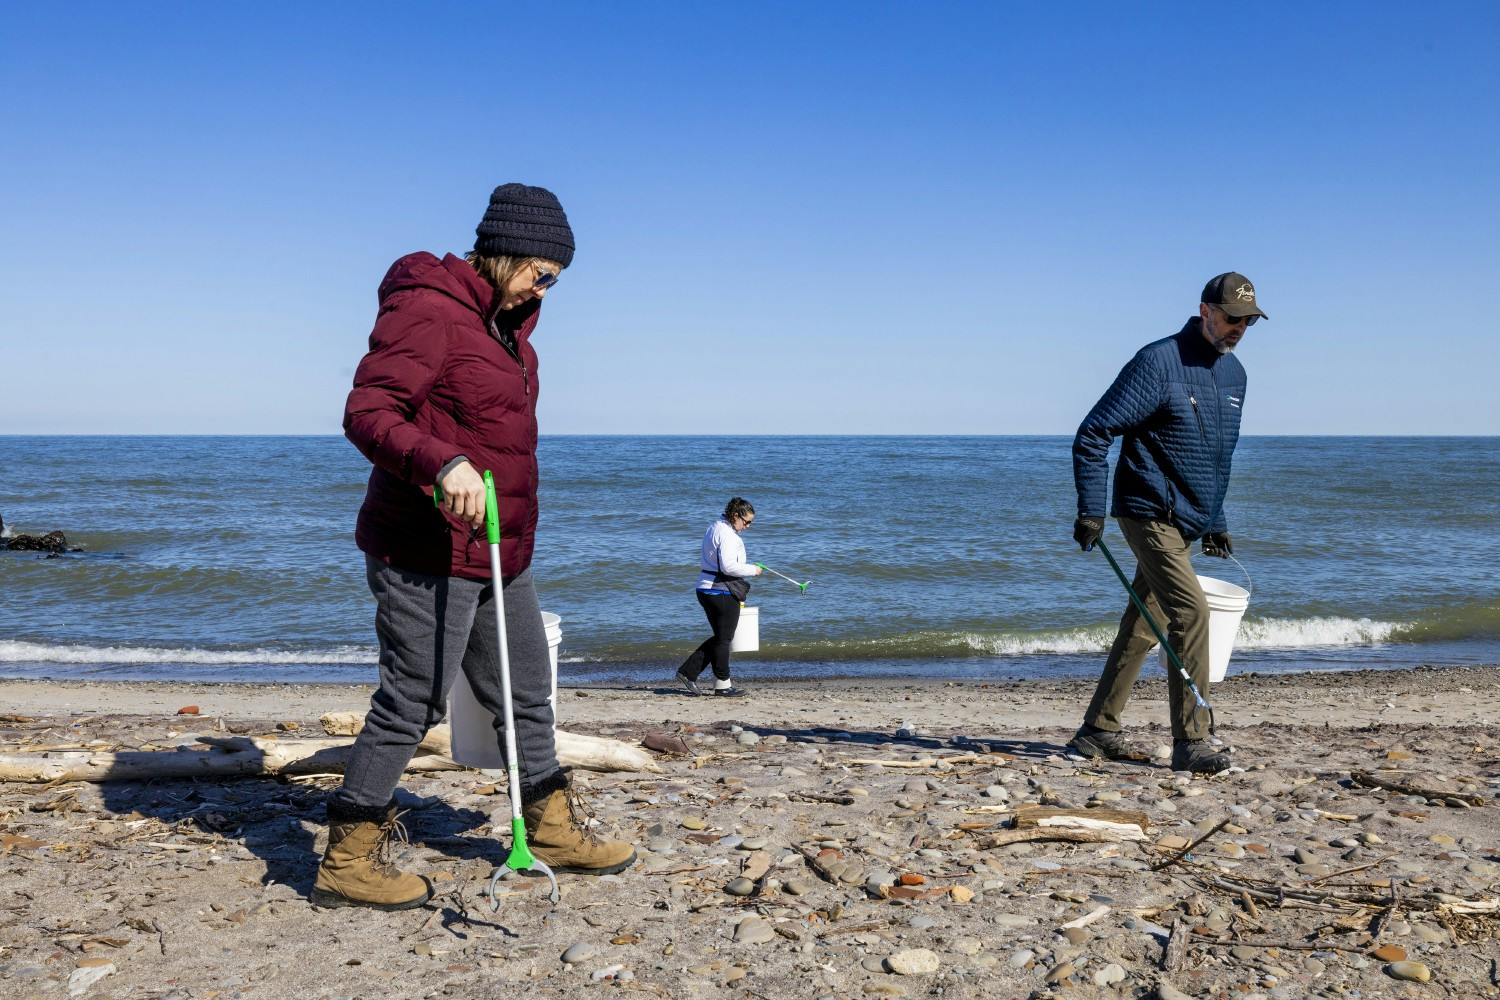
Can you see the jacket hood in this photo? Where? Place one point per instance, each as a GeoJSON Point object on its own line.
{"type": "Point", "coordinates": [451, 276]}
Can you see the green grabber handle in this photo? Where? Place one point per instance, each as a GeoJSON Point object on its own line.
{"type": "Point", "coordinates": [520, 859]}
{"type": "Point", "coordinates": [1160, 636]}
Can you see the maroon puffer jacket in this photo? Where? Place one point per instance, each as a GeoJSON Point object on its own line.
{"type": "Point", "coordinates": [437, 383]}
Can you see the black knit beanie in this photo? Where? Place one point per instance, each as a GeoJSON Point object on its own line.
{"type": "Point", "coordinates": [525, 222]}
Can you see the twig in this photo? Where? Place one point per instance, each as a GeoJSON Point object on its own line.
{"type": "Point", "coordinates": [1189, 848]}
{"type": "Point", "coordinates": [842, 799]}
{"type": "Point", "coordinates": [1176, 949]}
{"type": "Point", "coordinates": [1370, 781]}
{"type": "Point", "coordinates": [1288, 945]}
{"type": "Point", "coordinates": [676, 871]}
{"type": "Point", "coordinates": [874, 925]}
{"type": "Point", "coordinates": [1002, 837]}
{"type": "Point", "coordinates": [1348, 871]}
{"type": "Point", "coordinates": [1386, 916]}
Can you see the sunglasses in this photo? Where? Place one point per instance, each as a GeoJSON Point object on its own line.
{"type": "Point", "coordinates": [544, 278]}
{"type": "Point", "coordinates": [1249, 321]}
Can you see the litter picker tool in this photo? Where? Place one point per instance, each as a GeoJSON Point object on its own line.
{"type": "Point", "coordinates": [521, 860]}
{"type": "Point", "coordinates": [802, 587]}
{"type": "Point", "coordinates": [1161, 636]}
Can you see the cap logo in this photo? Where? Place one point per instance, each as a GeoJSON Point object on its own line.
{"type": "Point", "coordinates": [1245, 293]}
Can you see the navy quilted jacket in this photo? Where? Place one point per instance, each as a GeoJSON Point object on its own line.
{"type": "Point", "coordinates": [1177, 404]}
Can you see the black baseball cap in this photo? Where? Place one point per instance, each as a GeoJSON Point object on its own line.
{"type": "Point", "coordinates": [1233, 293]}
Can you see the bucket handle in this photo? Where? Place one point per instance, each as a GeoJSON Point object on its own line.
{"type": "Point", "coordinates": [1249, 584]}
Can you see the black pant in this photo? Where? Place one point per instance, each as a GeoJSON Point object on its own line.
{"type": "Point", "coordinates": [723, 617]}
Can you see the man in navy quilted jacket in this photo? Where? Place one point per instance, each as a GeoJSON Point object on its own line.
{"type": "Point", "coordinates": [1177, 406]}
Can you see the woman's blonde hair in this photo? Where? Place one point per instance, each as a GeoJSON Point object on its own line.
{"type": "Point", "coordinates": [501, 268]}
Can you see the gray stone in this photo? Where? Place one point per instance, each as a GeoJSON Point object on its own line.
{"type": "Point", "coordinates": [578, 951]}
{"type": "Point", "coordinates": [873, 963]}
{"type": "Point", "coordinates": [1166, 991]}
{"type": "Point", "coordinates": [913, 962]}
{"type": "Point", "coordinates": [1411, 972]}
{"type": "Point", "coordinates": [1109, 975]}
{"type": "Point", "coordinates": [740, 887]}
{"type": "Point", "coordinates": [753, 930]}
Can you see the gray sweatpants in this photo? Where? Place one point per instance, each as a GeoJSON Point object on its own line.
{"type": "Point", "coordinates": [429, 628]}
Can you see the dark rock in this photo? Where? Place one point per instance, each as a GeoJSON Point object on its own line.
{"type": "Point", "coordinates": [52, 541]}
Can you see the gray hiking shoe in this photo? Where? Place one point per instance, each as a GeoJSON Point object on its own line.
{"type": "Point", "coordinates": [1101, 744]}
{"type": "Point", "coordinates": [1198, 756]}
{"type": "Point", "coordinates": [687, 683]}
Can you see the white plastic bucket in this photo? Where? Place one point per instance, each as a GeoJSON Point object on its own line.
{"type": "Point", "coordinates": [1226, 606]}
{"type": "Point", "coordinates": [475, 742]}
{"type": "Point", "coordinates": [747, 634]}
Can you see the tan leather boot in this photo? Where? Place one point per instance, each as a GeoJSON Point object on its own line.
{"type": "Point", "coordinates": [557, 831]}
{"type": "Point", "coordinates": [357, 870]}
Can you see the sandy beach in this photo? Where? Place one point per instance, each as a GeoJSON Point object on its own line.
{"type": "Point", "coordinates": [867, 860]}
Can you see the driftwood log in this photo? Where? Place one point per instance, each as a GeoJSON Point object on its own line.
{"type": "Point", "coordinates": [255, 756]}
{"type": "Point", "coordinates": [234, 757]}
{"type": "Point", "coordinates": [587, 753]}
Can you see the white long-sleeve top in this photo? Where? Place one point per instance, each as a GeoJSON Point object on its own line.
{"type": "Point", "coordinates": [723, 551]}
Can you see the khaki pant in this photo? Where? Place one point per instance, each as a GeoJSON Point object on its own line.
{"type": "Point", "coordinates": [1165, 581]}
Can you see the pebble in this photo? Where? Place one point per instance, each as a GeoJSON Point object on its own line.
{"type": "Point", "coordinates": [753, 844]}
{"type": "Point", "coordinates": [873, 963]}
{"type": "Point", "coordinates": [797, 887]}
{"type": "Point", "coordinates": [1166, 991]}
{"type": "Point", "coordinates": [968, 946]}
{"type": "Point", "coordinates": [1390, 953]}
{"type": "Point", "coordinates": [608, 972]}
{"type": "Point", "coordinates": [1020, 958]}
{"type": "Point", "coordinates": [961, 894]}
{"type": "Point", "coordinates": [740, 887]}
{"type": "Point", "coordinates": [747, 739]}
{"type": "Point", "coordinates": [694, 823]}
{"type": "Point", "coordinates": [753, 930]}
{"type": "Point", "coordinates": [579, 951]}
{"type": "Point", "coordinates": [1411, 972]}
{"type": "Point", "coordinates": [913, 962]}
{"type": "Point", "coordinates": [1109, 975]}
{"type": "Point", "coordinates": [1059, 972]}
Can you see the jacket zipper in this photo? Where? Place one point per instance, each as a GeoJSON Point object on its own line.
{"type": "Point", "coordinates": [514, 352]}
{"type": "Point", "coordinates": [1202, 434]}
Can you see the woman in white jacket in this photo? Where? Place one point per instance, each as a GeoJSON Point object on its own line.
{"type": "Point", "coordinates": [723, 583]}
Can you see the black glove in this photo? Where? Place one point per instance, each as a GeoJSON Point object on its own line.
{"type": "Point", "coordinates": [1086, 531]}
{"type": "Point", "coordinates": [1217, 543]}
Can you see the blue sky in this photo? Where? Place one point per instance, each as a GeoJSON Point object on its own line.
{"type": "Point", "coordinates": [791, 218]}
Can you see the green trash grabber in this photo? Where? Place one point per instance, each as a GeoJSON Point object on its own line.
{"type": "Point", "coordinates": [1161, 637]}
{"type": "Point", "coordinates": [800, 586]}
{"type": "Point", "coordinates": [521, 860]}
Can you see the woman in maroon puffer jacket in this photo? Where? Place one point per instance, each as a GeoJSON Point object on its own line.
{"type": "Point", "coordinates": [447, 390]}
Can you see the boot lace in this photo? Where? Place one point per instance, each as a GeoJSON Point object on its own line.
{"type": "Point", "coordinates": [391, 830]}
{"type": "Point", "coordinates": [581, 814]}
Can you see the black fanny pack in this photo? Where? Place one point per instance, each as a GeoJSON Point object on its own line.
{"type": "Point", "coordinates": [737, 586]}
